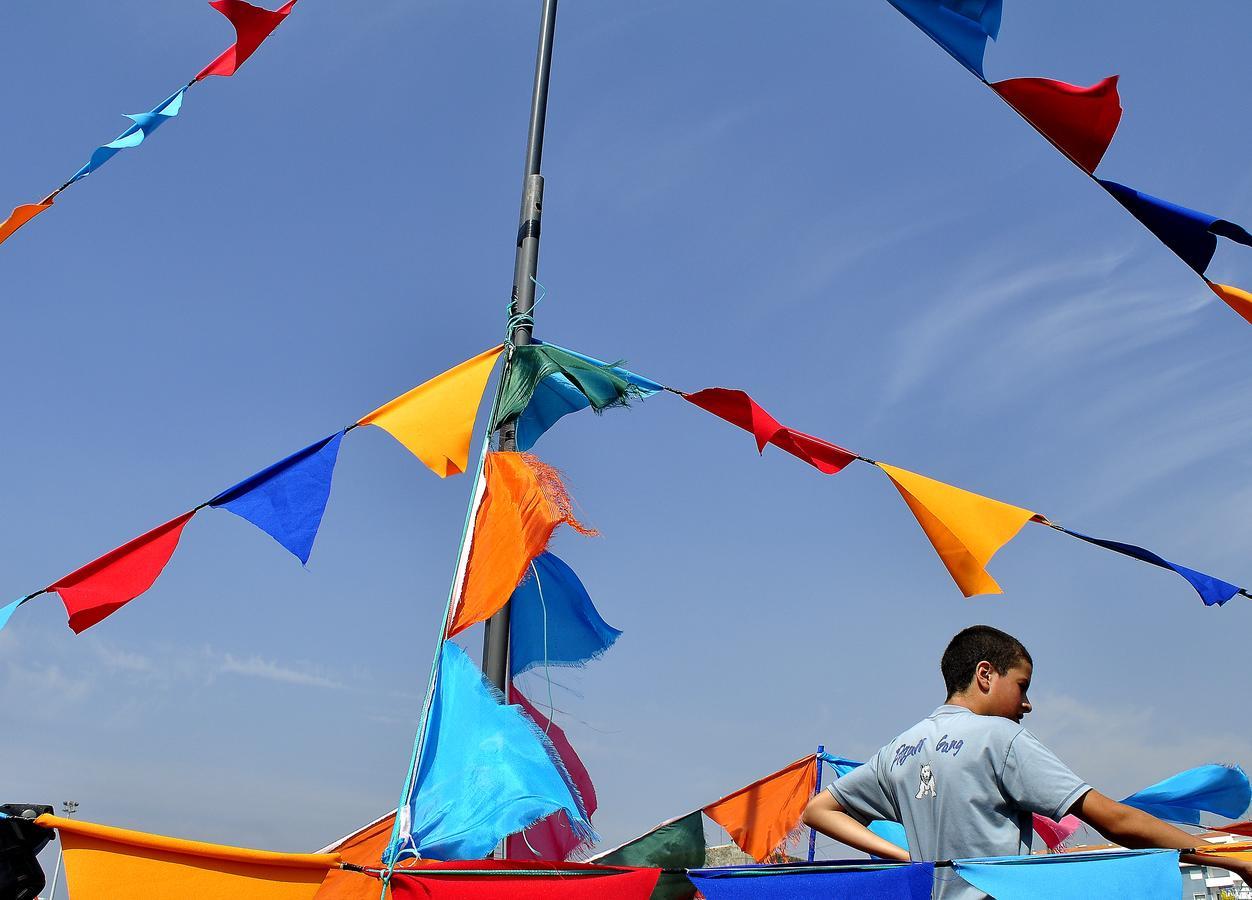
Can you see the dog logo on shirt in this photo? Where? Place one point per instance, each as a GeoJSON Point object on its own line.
{"type": "Point", "coordinates": [927, 788]}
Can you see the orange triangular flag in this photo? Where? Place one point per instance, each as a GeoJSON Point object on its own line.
{"type": "Point", "coordinates": [522, 504]}
{"type": "Point", "coordinates": [967, 529]}
{"type": "Point", "coordinates": [364, 847]}
{"type": "Point", "coordinates": [761, 816]}
{"type": "Point", "coordinates": [1238, 300]}
{"type": "Point", "coordinates": [20, 217]}
{"type": "Point", "coordinates": [435, 420]}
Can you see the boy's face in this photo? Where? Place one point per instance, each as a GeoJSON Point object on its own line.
{"type": "Point", "coordinates": [1007, 694]}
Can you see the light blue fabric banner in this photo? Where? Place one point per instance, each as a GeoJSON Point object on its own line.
{"type": "Point", "coordinates": [7, 613]}
{"type": "Point", "coordinates": [556, 397]}
{"type": "Point", "coordinates": [145, 124]}
{"type": "Point", "coordinates": [1223, 790]}
{"type": "Point", "coordinates": [1142, 874]}
{"type": "Point", "coordinates": [288, 499]}
{"type": "Point", "coordinates": [890, 831]}
{"type": "Point", "coordinates": [552, 619]}
{"type": "Point", "coordinates": [959, 26]}
{"type": "Point", "coordinates": [486, 771]}
{"type": "Point", "coordinates": [841, 765]}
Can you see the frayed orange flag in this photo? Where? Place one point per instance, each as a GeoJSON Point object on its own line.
{"type": "Point", "coordinates": [107, 863]}
{"type": "Point", "coordinates": [1238, 300]}
{"type": "Point", "coordinates": [435, 420]}
{"type": "Point", "coordinates": [20, 217]}
{"type": "Point", "coordinates": [761, 816]}
{"type": "Point", "coordinates": [966, 529]}
{"type": "Point", "coordinates": [522, 504]}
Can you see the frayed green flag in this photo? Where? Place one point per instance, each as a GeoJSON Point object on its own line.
{"type": "Point", "coordinates": [675, 845]}
{"type": "Point", "coordinates": [602, 384]}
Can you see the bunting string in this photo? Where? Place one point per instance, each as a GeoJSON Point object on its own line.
{"type": "Point", "coordinates": [252, 26]}
{"type": "Point", "coordinates": [1080, 122]}
{"type": "Point", "coordinates": [434, 421]}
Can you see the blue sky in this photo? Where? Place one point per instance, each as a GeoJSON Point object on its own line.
{"type": "Point", "coordinates": [813, 203]}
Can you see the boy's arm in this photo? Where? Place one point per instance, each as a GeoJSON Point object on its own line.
{"type": "Point", "coordinates": [825, 814]}
{"type": "Point", "coordinates": [1135, 829]}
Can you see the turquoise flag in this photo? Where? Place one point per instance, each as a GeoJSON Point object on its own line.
{"type": "Point", "coordinates": [485, 772]}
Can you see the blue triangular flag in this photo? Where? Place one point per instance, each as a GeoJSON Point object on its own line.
{"type": "Point", "coordinates": [287, 500]}
{"type": "Point", "coordinates": [145, 124]}
{"type": "Point", "coordinates": [1222, 790]}
{"type": "Point", "coordinates": [1213, 591]}
{"type": "Point", "coordinates": [7, 613]}
{"type": "Point", "coordinates": [1189, 233]}
{"type": "Point", "coordinates": [841, 765]}
{"type": "Point", "coordinates": [556, 397]}
{"type": "Point", "coordinates": [486, 771]}
{"type": "Point", "coordinates": [552, 619]}
{"type": "Point", "coordinates": [959, 26]}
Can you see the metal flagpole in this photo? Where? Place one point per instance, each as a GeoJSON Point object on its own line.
{"type": "Point", "coordinates": [525, 268]}
{"type": "Point", "coordinates": [817, 787]}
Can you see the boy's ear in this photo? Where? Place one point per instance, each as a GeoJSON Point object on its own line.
{"type": "Point", "coordinates": [982, 675]}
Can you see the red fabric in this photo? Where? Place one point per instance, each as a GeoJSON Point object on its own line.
{"type": "Point", "coordinates": [1081, 121]}
{"type": "Point", "coordinates": [552, 838]}
{"type": "Point", "coordinates": [614, 884]}
{"type": "Point", "coordinates": [101, 587]}
{"type": "Point", "coordinates": [1243, 828]}
{"type": "Point", "coordinates": [252, 26]}
{"type": "Point", "coordinates": [737, 408]}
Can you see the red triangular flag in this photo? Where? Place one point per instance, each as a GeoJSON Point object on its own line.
{"type": "Point", "coordinates": [252, 26]}
{"type": "Point", "coordinates": [737, 408]}
{"type": "Point", "coordinates": [102, 587]}
{"type": "Point", "coordinates": [1080, 121]}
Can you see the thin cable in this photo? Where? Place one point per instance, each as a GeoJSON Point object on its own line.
{"type": "Point", "coordinates": [547, 671]}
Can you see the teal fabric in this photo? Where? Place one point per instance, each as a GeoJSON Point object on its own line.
{"type": "Point", "coordinates": [485, 772]}
{"type": "Point", "coordinates": [1223, 790]}
{"type": "Point", "coordinates": [1141, 874]}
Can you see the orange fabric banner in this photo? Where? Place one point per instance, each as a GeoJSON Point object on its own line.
{"type": "Point", "coordinates": [361, 848]}
{"type": "Point", "coordinates": [435, 420]}
{"type": "Point", "coordinates": [106, 863]}
{"type": "Point", "coordinates": [523, 503]}
{"type": "Point", "coordinates": [1238, 300]}
{"type": "Point", "coordinates": [966, 529]}
{"type": "Point", "coordinates": [761, 816]}
{"type": "Point", "coordinates": [20, 217]}
{"type": "Point", "coordinates": [1241, 850]}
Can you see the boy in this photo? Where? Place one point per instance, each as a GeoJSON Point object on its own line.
{"type": "Point", "coordinates": [965, 780]}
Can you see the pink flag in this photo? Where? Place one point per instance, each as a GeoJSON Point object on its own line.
{"type": "Point", "coordinates": [1055, 833]}
{"type": "Point", "coordinates": [552, 838]}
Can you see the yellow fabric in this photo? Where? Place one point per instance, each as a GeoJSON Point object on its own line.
{"type": "Point", "coordinates": [435, 420]}
{"type": "Point", "coordinates": [966, 529]}
{"type": "Point", "coordinates": [1238, 300]}
{"type": "Point", "coordinates": [106, 863]}
{"type": "Point", "coordinates": [20, 217]}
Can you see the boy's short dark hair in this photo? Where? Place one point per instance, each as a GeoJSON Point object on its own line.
{"type": "Point", "coordinates": [973, 645]}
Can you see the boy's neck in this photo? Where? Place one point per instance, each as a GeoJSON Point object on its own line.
{"type": "Point", "coordinates": [966, 702]}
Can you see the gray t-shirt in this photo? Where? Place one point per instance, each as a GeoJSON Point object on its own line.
{"type": "Point", "coordinates": [962, 785]}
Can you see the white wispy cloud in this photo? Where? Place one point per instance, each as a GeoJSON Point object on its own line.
{"type": "Point", "coordinates": [256, 667]}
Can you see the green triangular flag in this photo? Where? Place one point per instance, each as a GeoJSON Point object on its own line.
{"type": "Point", "coordinates": [678, 844]}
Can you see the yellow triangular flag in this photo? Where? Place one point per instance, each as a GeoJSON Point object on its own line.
{"type": "Point", "coordinates": [966, 529]}
{"type": "Point", "coordinates": [1238, 300]}
{"type": "Point", "coordinates": [435, 420]}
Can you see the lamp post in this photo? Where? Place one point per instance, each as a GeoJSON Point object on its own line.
{"type": "Point", "coordinates": [68, 808]}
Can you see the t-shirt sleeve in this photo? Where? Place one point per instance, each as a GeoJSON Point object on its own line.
{"type": "Point", "coordinates": [1037, 781]}
{"type": "Point", "coordinates": [862, 795]}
